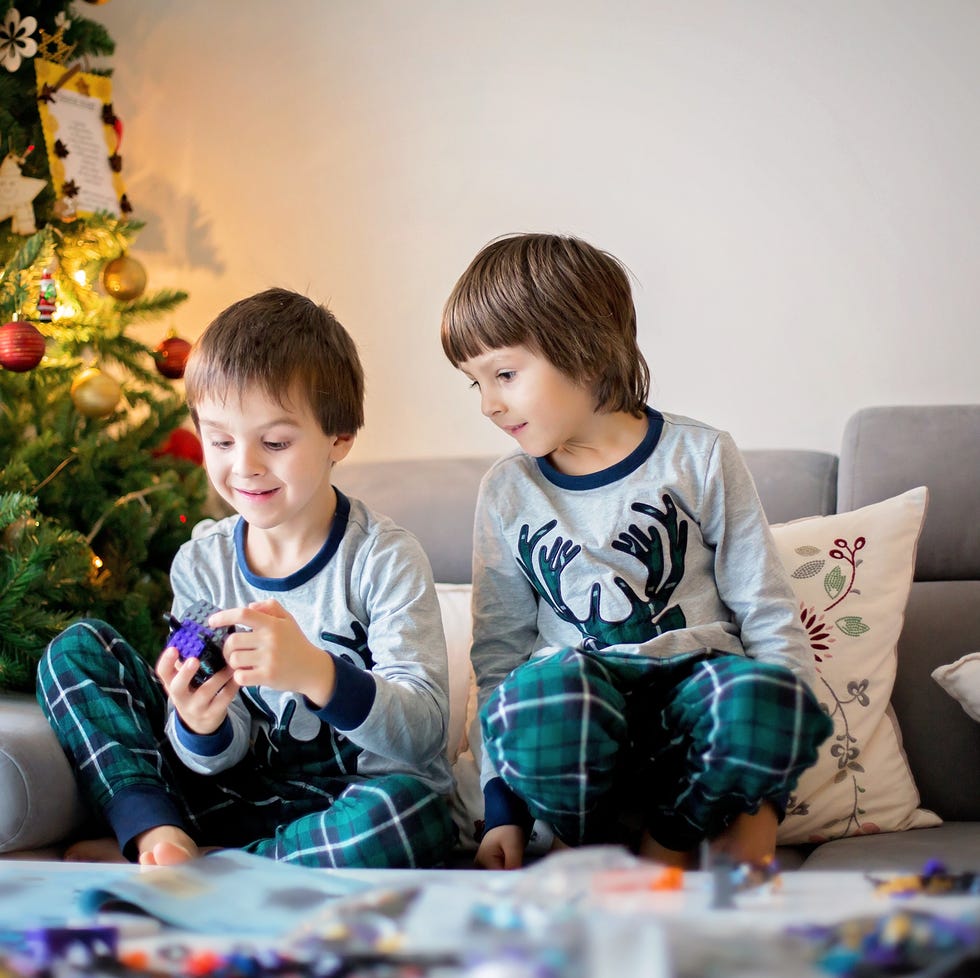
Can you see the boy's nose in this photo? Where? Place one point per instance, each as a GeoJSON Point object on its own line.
{"type": "Point", "coordinates": [246, 462]}
{"type": "Point", "coordinates": [490, 404]}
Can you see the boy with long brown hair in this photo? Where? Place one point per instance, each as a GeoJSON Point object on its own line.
{"type": "Point", "coordinates": [643, 676]}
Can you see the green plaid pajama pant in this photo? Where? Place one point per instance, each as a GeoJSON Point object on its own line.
{"type": "Point", "coordinates": [288, 800]}
{"type": "Point", "coordinates": [603, 746]}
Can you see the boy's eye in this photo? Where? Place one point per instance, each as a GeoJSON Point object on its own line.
{"type": "Point", "coordinates": [215, 443]}
{"type": "Point", "coordinates": [276, 446]}
{"type": "Point", "coordinates": [506, 374]}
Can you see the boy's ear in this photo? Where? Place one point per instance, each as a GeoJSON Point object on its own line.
{"type": "Point", "coordinates": [342, 444]}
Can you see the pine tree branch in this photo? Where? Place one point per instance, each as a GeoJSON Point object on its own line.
{"type": "Point", "coordinates": [52, 475]}
{"type": "Point", "coordinates": [130, 497]}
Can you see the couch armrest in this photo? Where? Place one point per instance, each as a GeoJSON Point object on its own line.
{"type": "Point", "coordinates": [39, 801]}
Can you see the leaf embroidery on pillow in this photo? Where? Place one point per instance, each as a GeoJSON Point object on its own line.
{"type": "Point", "coordinates": [848, 554]}
{"type": "Point", "coordinates": [852, 625]}
{"type": "Point", "coordinates": [838, 583]}
{"type": "Point", "coordinates": [810, 569]}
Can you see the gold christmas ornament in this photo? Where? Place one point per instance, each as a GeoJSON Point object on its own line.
{"type": "Point", "coordinates": [124, 278]}
{"type": "Point", "coordinates": [94, 393]}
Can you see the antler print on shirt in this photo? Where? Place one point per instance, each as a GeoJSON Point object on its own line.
{"type": "Point", "coordinates": [649, 615]}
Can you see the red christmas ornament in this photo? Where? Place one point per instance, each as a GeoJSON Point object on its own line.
{"type": "Point", "coordinates": [171, 357]}
{"type": "Point", "coordinates": [21, 346]}
{"type": "Point", "coordinates": [182, 443]}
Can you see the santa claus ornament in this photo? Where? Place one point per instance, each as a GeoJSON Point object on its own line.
{"type": "Point", "coordinates": [47, 299]}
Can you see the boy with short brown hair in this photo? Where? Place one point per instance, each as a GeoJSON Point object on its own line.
{"type": "Point", "coordinates": [322, 740]}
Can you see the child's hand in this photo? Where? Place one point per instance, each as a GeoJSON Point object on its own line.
{"type": "Point", "coordinates": [202, 708]}
{"type": "Point", "coordinates": [501, 848]}
{"type": "Point", "coordinates": [275, 652]}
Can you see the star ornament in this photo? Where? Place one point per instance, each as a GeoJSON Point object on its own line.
{"type": "Point", "coordinates": [16, 195]}
{"type": "Point", "coordinates": [15, 39]}
{"type": "Point", "coordinates": [52, 46]}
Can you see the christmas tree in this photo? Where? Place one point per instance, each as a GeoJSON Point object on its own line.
{"type": "Point", "coordinates": [100, 482]}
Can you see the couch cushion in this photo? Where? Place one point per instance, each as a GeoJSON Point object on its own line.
{"type": "Point", "coordinates": [793, 484]}
{"type": "Point", "coordinates": [942, 622]}
{"type": "Point", "coordinates": [851, 573]}
{"type": "Point", "coordinates": [39, 803]}
{"type": "Point", "coordinates": [433, 498]}
{"type": "Point", "coordinates": [961, 679]}
{"type": "Point", "coordinates": [886, 450]}
{"type": "Point", "coordinates": [955, 844]}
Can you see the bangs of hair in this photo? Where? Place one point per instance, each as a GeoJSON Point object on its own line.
{"type": "Point", "coordinates": [283, 345]}
{"type": "Point", "coordinates": [561, 298]}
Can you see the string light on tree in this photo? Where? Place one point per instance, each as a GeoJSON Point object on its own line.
{"type": "Point", "coordinates": [124, 278]}
{"type": "Point", "coordinates": [94, 393]}
{"type": "Point", "coordinates": [21, 346]}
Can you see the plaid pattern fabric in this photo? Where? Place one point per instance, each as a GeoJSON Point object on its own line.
{"type": "Point", "coordinates": [295, 802]}
{"type": "Point", "coordinates": [603, 746]}
{"type": "Point", "coordinates": [386, 822]}
{"type": "Point", "coordinates": [108, 710]}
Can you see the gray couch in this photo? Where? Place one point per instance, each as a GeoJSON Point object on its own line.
{"type": "Point", "coordinates": [884, 452]}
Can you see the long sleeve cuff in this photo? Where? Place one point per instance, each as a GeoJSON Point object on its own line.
{"type": "Point", "coordinates": [204, 745]}
{"type": "Point", "coordinates": [353, 696]}
{"type": "Point", "coordinates": [502, 807]}
{"type": "Point", "coordinates": [136, 809]}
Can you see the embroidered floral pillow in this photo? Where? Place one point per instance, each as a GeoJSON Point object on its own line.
{"type": "Point", "coordinates": [851, 573]}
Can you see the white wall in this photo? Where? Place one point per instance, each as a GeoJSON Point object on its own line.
{"type": "Point", "coordinates": [793, 183]}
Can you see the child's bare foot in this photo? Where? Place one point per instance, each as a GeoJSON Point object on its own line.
{"type": "Point", "coordinates": [167, 854]}
{"type": "Point", "coordinates": [165, 845]}
{"type": "Point", "coordinates": [94, 851]}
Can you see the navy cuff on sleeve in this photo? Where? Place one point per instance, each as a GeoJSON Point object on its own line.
{"type": "Point", "coordinates": [136, 809]}
{"type": "Point", "coordinates": [353, 696]}
{"type": "Point", "coordinates": [205, 745]}
{"type": "Point", "coordinates": [502, 807]}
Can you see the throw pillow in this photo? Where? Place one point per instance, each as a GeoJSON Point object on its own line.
{"type": "Point", "coordinates": [454, 603]}
{"type": "Point", "coordinates": [961, 679]}
{"type": "Point", "coordinates": [851, 573]}
{"type": "Point", "coordinates": [466, 801]}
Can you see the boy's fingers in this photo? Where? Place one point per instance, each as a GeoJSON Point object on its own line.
{"type": "Point", "coordinates": [250, 616]}
{"type": "Point", "coordinates": [168, 656]}
{"type": "Point", "coordinates": [226, 617]}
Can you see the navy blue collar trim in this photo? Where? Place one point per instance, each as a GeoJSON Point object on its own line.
{"type": "Point", "coordinates": [605, 477]}
{"type": "Point", "coordinates": [337, 529]}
